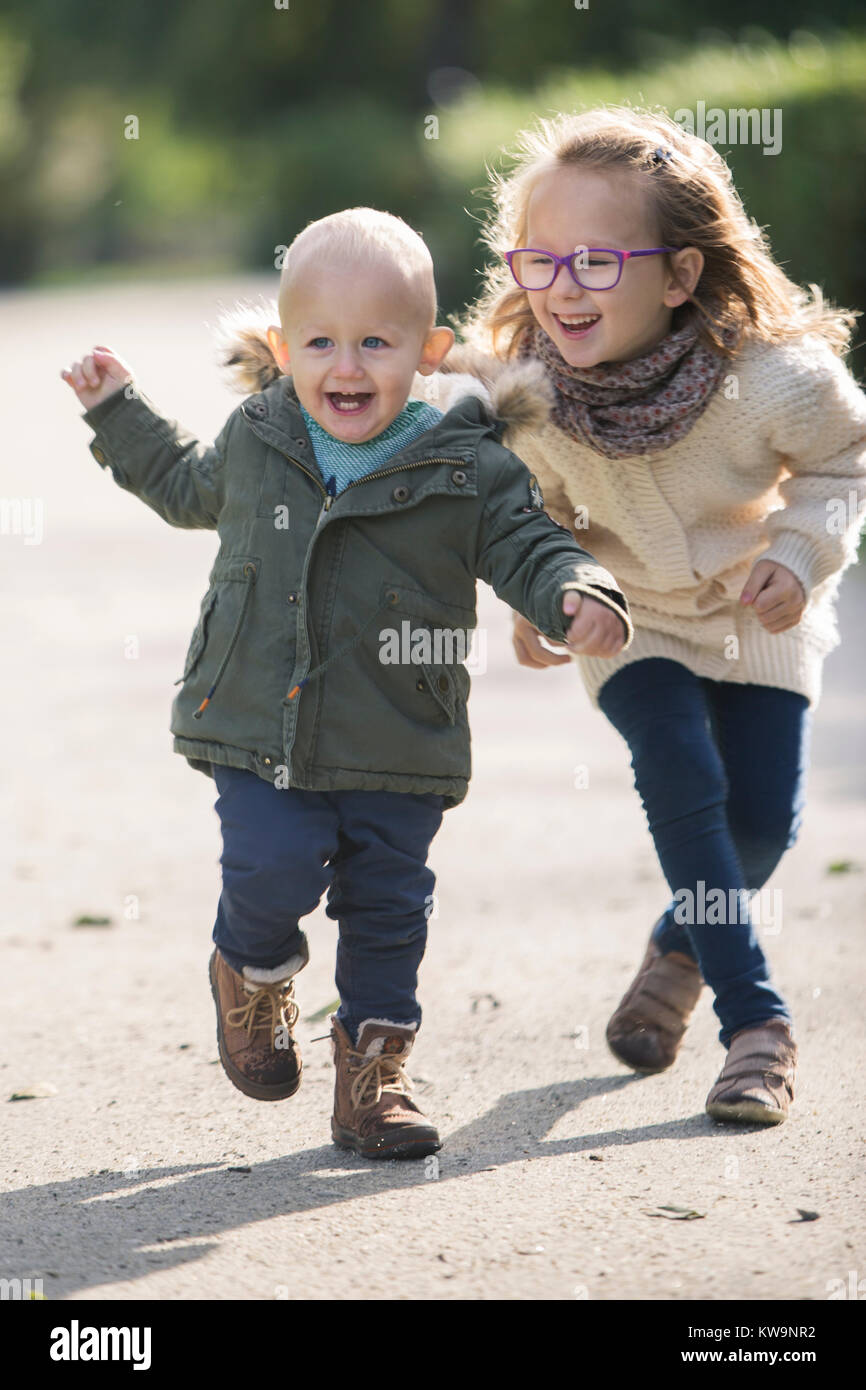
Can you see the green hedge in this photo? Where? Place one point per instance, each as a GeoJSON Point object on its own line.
{"type": "Point", "coordinates": [809, 196]}
{"type": "Point", "coordinates": [79, 197]}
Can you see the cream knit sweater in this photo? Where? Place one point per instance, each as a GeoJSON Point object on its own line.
{"type": "Point", "coordinates": [775, 468]}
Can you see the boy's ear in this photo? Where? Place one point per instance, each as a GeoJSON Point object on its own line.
{"type": "Point", "coordinates": [437, 345]}
{"type": "Point", "coordinates": [279, 348]}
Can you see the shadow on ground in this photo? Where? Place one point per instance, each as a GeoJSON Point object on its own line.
{"type": "Point", "coordinates": [114, 1218]}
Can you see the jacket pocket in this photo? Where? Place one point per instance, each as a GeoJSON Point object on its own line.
{"type": "Point", "coordinates": [434, 638]}
{"type": "Point", "coordinates": [444, 677]}
{"type": "Point", "coordinates": [220, 613]}
{"type": "Point", "coordinates": [449, 686]}
{"type": "Point", "coordinates": [198, 641]}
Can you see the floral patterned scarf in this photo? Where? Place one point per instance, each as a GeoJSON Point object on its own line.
{"type": "Point", "coordinates": [634, 407]}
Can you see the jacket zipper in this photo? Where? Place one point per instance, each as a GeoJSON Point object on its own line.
{"type": "Point", "coordinates": [328, 501]}
{"type": "Point", "coordinates": [383, 473]}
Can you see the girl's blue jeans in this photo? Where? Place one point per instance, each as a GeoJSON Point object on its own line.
{"type": "Point", "coordinates": [721, 771]}
{"type": "Point", "coordinates": [283, 848]}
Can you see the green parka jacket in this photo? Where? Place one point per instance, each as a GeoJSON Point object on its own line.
{"type": "Point", "coordinates": [290, 671]}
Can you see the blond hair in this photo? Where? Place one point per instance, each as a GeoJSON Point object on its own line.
{"type": "Point", "coordinates": [370, 239]}
{"type": "Point", "coordinates": [691, 197]}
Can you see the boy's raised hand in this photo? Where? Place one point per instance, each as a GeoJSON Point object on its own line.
{"type": "Point", "coordinates": [97, 376]}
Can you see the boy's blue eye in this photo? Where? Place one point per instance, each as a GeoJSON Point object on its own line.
{"type": "Point", "coordinates": [372, 339]}
{"type": "Point", "coordinates": [319, 342]}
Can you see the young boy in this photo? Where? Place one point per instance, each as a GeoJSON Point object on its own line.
{"type": "Point", "coordinates": [346, 511]}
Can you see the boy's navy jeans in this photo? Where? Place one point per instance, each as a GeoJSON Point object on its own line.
{"type": "Point", "coordinates": [283, 848]}
{"type": "Point", "coordinates": [721, 772]}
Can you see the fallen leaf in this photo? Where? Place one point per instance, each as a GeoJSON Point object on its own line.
{"type": "Point", "coordinates": [842, 866]}
{"type": "Point", "coordinates": [40, 1090]}
{"type": "Point", "coordinates": [491, 1001]}
{"type": "Point", "coordinates": [675, 1213]}
{"type": "Point", "coordinates": [85, 920]}
{"type": "Point", "coordinates": [803, 1216]}
{"type": "Point", "coordinates": [323, 1013]}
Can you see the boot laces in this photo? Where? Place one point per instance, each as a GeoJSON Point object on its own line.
{"type": "Point", "coordinates": [269, 1006]}
{"type": "Point", "coordinates": [375, 1075]}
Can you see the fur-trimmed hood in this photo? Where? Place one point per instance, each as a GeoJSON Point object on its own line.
{"type": "Point", "coordinates": [518, 393]}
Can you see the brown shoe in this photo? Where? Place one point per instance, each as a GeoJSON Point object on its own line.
{"type": "Point", "coordinates": [647, 1028]}
{"type": "Point", "coordinates": [256, 1012]}
{"type": "Point", "coordinates": [373, 1112]}
{"type": "Point", "coordinates": [756, 1084]}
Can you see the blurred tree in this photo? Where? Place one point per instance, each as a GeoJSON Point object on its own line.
{"type": "Point", "coordinates": [253, 119]}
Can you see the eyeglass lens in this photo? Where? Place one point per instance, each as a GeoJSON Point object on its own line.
{"type": "Point", "coordinates": [595, 271]}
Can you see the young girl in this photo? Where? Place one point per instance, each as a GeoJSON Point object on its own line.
{"type": "Point", "coordinates": [705, 438]}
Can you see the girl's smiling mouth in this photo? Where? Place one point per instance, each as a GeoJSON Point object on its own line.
{"type": "Point", "coordinates": [348, 402]}
{"type": "Point", "coordinates": [576, 325]}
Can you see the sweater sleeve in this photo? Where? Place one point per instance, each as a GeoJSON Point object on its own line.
{"type": "Point", "coordinates": [819, 431]}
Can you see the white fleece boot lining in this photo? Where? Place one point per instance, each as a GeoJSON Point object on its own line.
{"type": "Point", "coordinates": [292, 966]}
{"type": "Point", "coordinates": [376, 1044]}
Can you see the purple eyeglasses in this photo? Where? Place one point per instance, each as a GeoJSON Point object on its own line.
{"type": "Point", "coordinates": [534, 269]}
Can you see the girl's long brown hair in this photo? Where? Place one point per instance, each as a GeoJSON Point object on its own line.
{"type": "Point", "coordinates": [692, 196]}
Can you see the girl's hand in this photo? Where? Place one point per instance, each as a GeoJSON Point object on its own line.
{"type": "Point", "coordinates": [97, 376]}
{"type": "Point", "coordinates": [596, 631]}
{"type": "Point", "coordinates": [776, 595]}
{"type": "Point", "coordinates": [528, 649]}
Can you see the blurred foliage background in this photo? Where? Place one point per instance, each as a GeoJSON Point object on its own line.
{"type": "Point", "coordinates": [254, 119]}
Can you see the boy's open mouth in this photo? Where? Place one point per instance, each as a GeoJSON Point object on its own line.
{"type": "Point", "coordinates": [577, 325]}
{"type": "Point", "coordinates": [348, 402]}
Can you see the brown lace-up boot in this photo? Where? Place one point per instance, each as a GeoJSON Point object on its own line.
{"type": "Point", "coordinates": [373, 1110]}
{"type": "Point", "coordinates": [756, 1084]}
{"type": "Point", "coordinates": [647, 1028]}
{"type": "Point", "coordinates": [256, 1012]}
